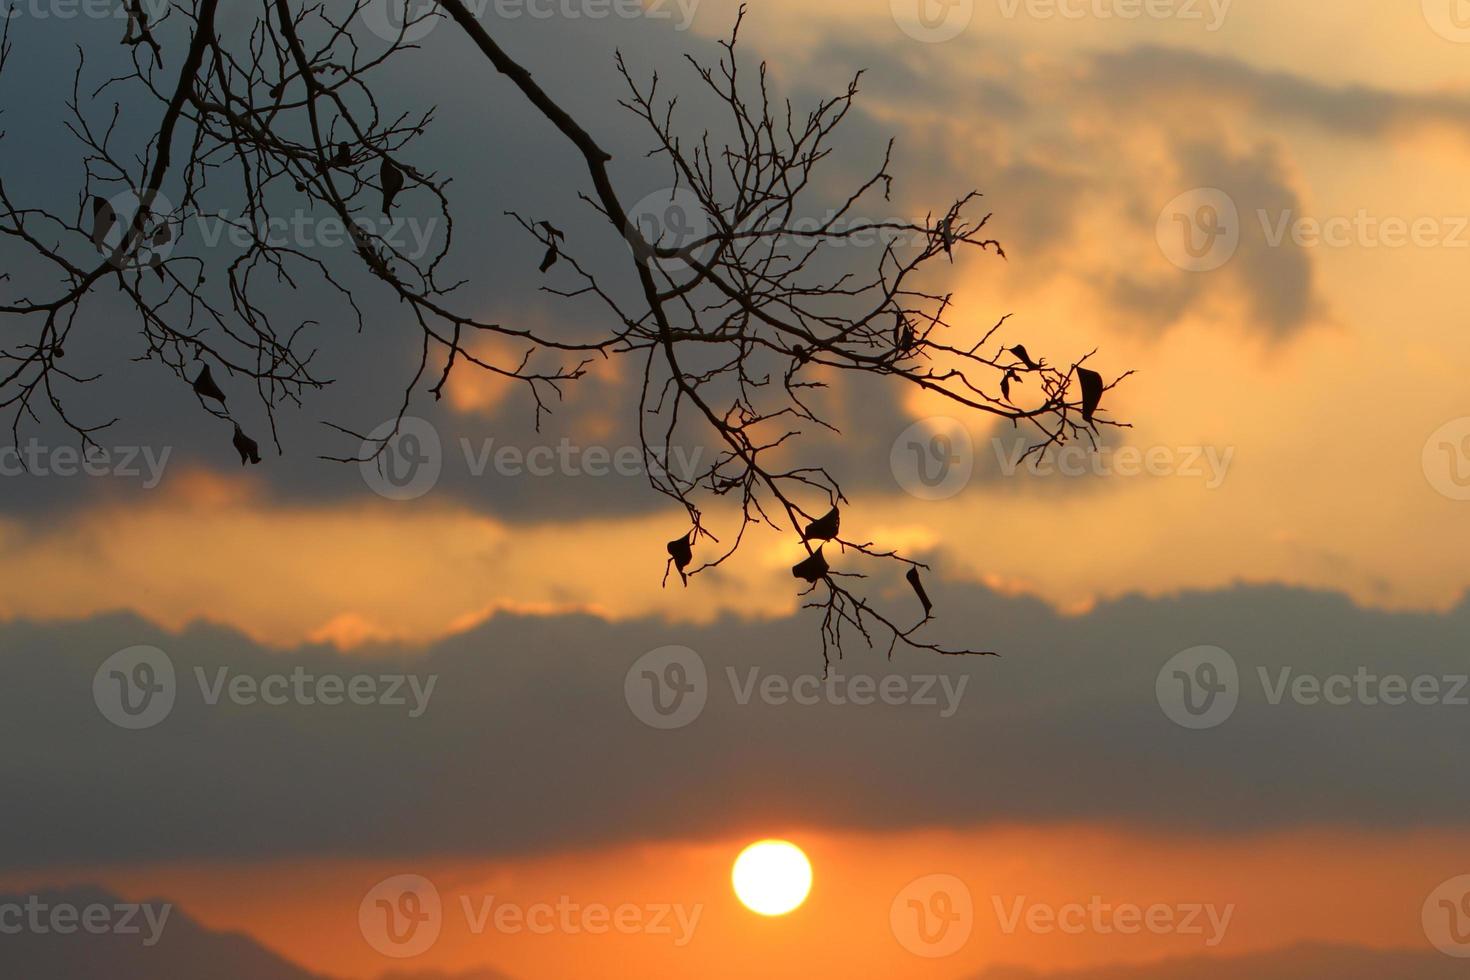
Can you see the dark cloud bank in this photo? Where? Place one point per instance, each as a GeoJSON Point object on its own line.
{"type": "Point", "coordinates": [528, 743]}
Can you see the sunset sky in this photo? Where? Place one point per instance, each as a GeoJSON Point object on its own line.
{"type": "Point", "coordinates": [1294, 490]}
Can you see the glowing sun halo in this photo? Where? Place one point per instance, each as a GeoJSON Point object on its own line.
{"type": "Point", "coordinates": [772, 877]}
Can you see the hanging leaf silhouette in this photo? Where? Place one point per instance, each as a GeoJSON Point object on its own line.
{"type": "Point", "coordinates": [104, 218]}
{"type": "Point", "coordinates": [903, 334]}
{"type": "Point", "coordinates": [155, 262]}
{"type": "Point", "coordinates": [246, 447]}
{"type": "Point", "coordinates": [1092, 392]}
{"type": "Point", "coordinates": [913, 576]}
{"type": "Point", "coordinates": [1005, 383]}
{"type": "Point", "coordinates": [392, 180]}
{"type": "Point", "coordinates": [551, 256]}
{"type": "Point", "coordinates": [811, 569]}
{"type": "Point", "coordinates": [205, 386]}
{"type": "Point", "coordinates": [823, 528]}
{"type": "Point", "coordinates": [681, 553]}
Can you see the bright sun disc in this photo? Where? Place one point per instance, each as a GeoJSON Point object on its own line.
{"type": "Point", "coordinates": [772, 877]}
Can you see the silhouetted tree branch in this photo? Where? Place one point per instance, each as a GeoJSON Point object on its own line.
{"type": "Point", "coordinates": [736, 328]}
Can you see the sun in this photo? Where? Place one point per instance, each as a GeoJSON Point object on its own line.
{"type": "Point", "coordinates": [772, 877]}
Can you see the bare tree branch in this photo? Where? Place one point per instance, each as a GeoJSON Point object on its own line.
{"type": "Point", "coordinates": [738, 322]}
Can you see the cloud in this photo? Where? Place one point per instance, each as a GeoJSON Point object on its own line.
{"type": "Point", "coordinates": [1273, 283]}
{"type": "Point", "coordinates": [529, 745]}
{"type": "Point", "coordinates": [502, 156]}
{"type": "Point", "coordinates": [1132, 77]}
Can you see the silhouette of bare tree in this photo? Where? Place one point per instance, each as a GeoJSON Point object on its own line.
{"type": "Point", "coordinates": [736, 328]}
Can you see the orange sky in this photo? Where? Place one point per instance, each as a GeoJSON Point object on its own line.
{"type": "Point", "coordinates": [1313, 885]}
{"type": "Point", "coordinates": [1325, 426]}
